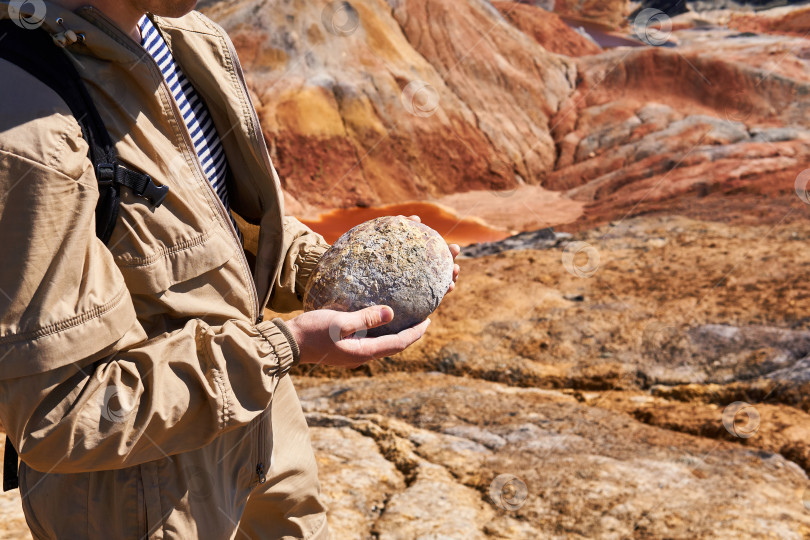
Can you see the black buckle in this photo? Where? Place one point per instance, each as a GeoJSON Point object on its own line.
{"type": "Point", "coordinates": [156, 194]}
{"type": "Point", "coordinates": [105, 173]}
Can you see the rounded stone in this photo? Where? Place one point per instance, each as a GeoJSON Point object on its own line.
{"type": "Point", "coordinates": [389, 261]}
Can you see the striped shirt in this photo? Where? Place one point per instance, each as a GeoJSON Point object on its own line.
{"type": "Point", "coordinates": [195, 113]}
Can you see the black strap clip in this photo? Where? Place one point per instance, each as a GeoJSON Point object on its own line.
{"type": "Point", "coordinates": [156, 194]}
{"type": "Point", "coordinates": [141, 184]}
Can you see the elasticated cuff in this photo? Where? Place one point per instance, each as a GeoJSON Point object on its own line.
{"type": "Point", "coordinates": [290, 338]}
{"type": "Point", "coordinates": [284, 348]}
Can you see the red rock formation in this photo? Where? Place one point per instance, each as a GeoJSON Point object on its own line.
{"type": "Point", "coordinates": [547, 29]}
{"type": "Point", "coordinates": [511, 85]}
{"type": "Point", "coordinates": [431, 98]}
{"type": "Point", "coordinates": [714, 124]}
{"type": "Point", "coordinates": [705, 132]}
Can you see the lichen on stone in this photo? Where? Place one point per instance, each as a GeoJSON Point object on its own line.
{"type": "Point", "coordinates": [390, 261]}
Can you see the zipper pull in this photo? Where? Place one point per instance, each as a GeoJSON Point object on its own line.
{"type": "Point", "coordinates": [260, 472]}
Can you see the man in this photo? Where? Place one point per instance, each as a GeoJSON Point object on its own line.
{"type": "Point", "coordinates": [143, 391]}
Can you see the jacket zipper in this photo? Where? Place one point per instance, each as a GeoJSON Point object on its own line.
{"type": "Point", "coordinates": [261, 151]}
{"type": "Point", "coordinates": [130, 44]}
{"type": "Point", "coordinates": [261, 472]}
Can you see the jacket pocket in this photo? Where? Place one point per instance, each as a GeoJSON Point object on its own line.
{"type": "Point", "coordinates": [186, 259]}
{"type": "Point", "coordinates": [156, 248]}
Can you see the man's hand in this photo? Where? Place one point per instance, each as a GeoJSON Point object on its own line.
{"type": "Point", "coordinates": [335, 338]}
{"type": "Point", "coordinates": [454, 250]}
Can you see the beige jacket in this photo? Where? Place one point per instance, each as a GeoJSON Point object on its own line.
{"type": "Point", "coordinates": [113, 356]}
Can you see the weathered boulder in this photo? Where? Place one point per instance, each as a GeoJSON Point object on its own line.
{"type": "Point", "coordinates": [390, 261]}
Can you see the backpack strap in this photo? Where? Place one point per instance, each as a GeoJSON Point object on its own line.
{"type": "Point", "coordinates": [35, 52]}
{"type": "Point", "coordinates": [10, 479]}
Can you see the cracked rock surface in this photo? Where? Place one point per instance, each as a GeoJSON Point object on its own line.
{"type": "Point", "coordinates": [589, 471]}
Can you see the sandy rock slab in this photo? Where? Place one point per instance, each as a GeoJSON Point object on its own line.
{"type": "Point", "coordinates": [582, 471]}
{"type": "Point", "coordinates": [356, 479]}
{"type": "Point", "coordinates": [454, 510]}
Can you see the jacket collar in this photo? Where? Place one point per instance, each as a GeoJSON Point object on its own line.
{"type": "Point", "coordinates": [102, 38]}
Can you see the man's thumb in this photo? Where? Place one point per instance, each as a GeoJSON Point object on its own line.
{"type": "Point", "coordinates": [365, 319]}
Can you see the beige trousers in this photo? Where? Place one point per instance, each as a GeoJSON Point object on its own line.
{"type": "Point", "coordinates": [210, 493]}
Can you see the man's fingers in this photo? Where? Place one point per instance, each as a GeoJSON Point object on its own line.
{"type": "Point", "coordinates": [456, 270]}
{"type": "Point", "coordinates": [378, 347]}
{"type": "Point", "coordinates": [454, 250]}
{"type": "Point", "coordinates": [388, 345]}
{"type": "Point", "coordinates": [415, 218]}
{"type": "Point", "coordinates": [365, 319]}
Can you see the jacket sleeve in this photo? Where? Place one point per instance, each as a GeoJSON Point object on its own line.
{"type": "Point", "coordinates": [82, 386]}
{"type": "Point", "coordinates": [303, 250]}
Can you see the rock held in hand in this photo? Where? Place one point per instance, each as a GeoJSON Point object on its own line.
{"type": "Point", "coordinates": [390, 261]}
